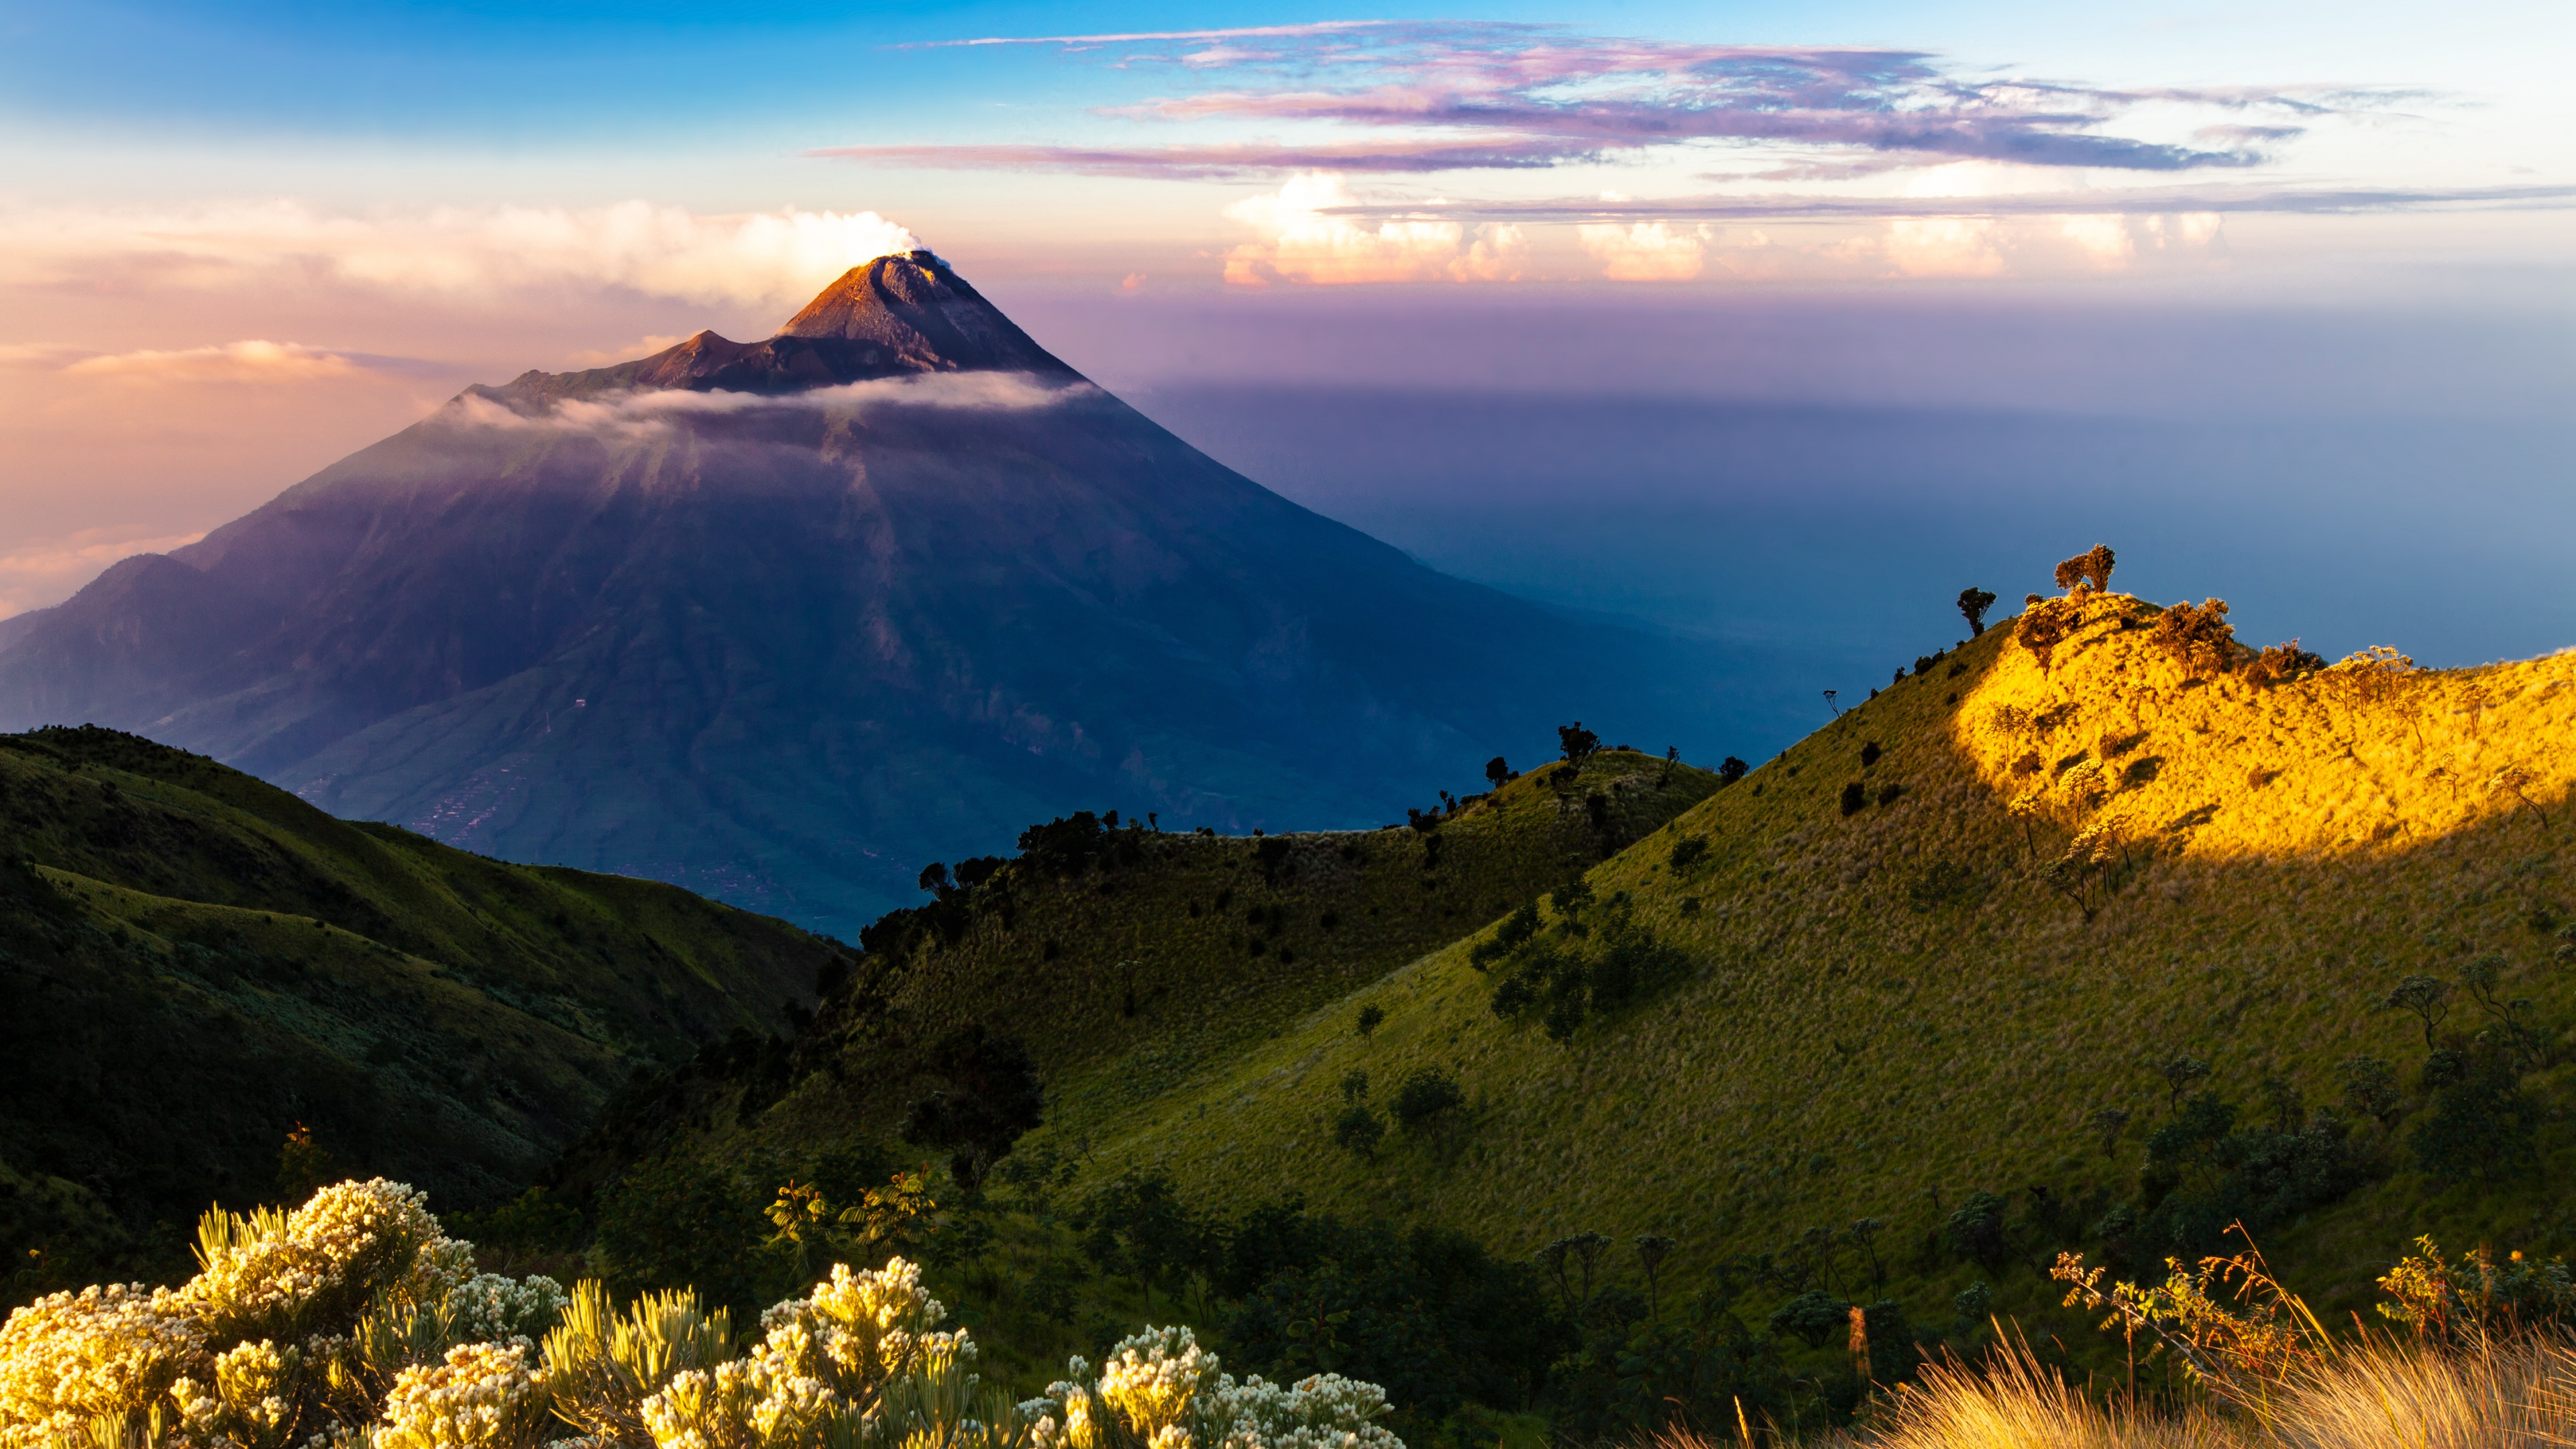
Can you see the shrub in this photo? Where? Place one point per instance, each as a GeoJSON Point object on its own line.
{"type": "Point", "coordinates": [2370, 1089]}
{"type": "Point", "coordinates": [1370, 1018]}
{"type": "Point", "coordinates": [1814, 1316]}
{"type": "Point", "coordinates": [1854, 797]}
{"type": "Point", "coordinates": [1358, 1129]}
{"type": "Point", "coordinates": [2280, 663]}
{"type": "Point", "coordinates": [2090, 569]}
{"type": "Point", "coordinates": [1973, 604]}
{"type": "Point", "coordinates": [1688, 851]}
{"type": "Point", "coordinates": [2197, 638]}
{"type": "Point", "coordinates": [1731, 770]}
{"type": "Point", "coordinates": [1427, 1097]}
{"type": "Point", "coordinates": [992, 1099]}
{"type": "Point", "coordinates": [2041, 628]}
{"type": "Point", "coordinates": [1497, 773]}
{"type": "Point", "coordinates": [2482, 1125]}
{"type": "Point", "coordinates": [1869, 754]}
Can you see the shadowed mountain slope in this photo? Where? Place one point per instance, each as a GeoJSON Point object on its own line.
{"type": "Point", "coordinates": [192, 962]}
{"type": "Point", "coordinates": [781, 620]}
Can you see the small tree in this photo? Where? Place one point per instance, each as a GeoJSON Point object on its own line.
{"type": "Point", "coordinates": [1428, 1097]}
{"type": "Point", "coordinates": [1854, 797]}
{"type": "Point", "coordinates": [2110, 1122]}
{"type": "Point", "coordinates": [1370, 1018]}
{"type": "Point", "coordinates": [1497, 773]}
{"type": "Point", "coordinates": [934, 878]}
{"type": "Point", "coordinates": [1652, 1250]}
{"type": "Point", "coordinates": [1358, 1130]}
{"type": "Point", "coordinates": [1578, 743]}
{"type": "Point", "coordinates": [1688, 851]}
{"type": "Point", "coordinates": [2370, 1089]}
{"type": "Point", "coordinates": [2091, 570]}
{"type": "Point", "coordinates": [1731, 770]}
{"type": "Point", "coordinates": [1976, 1230]}
{"type": "Point", "coordinates": [2181, 1074]}
{"type": "Point", "coordinates": [1973, 604]}
{"type": "Point", "coordinates": [2428, 997]}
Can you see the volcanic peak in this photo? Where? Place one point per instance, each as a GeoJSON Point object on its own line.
{"type": "Point", "coordinates": [892, 317]}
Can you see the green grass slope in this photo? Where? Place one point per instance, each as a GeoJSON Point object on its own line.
{"type": "Point", "coordinates": [1889, 1009]}
{"type": "Point", "coordinates": [192, 962]}
{"type": "Point", "coordinates": [1146, 959]}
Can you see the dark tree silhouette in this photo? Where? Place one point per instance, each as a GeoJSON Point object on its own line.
{"type": "Point", "coordinates": [1428, 1096]}
{"type": "Point", "coordinates": [1496, 772]}
{"type": "Point", "coordinates": [1370, 1018]}
{"type": "Point", "coordinates": [1854, 797]}
{"type": "Point", "coordinates": [1973, 604]}
{"type": "Point", "coordinates": [2181, 1073]}
{"type": "Point", "coordinates": [934, 878]}
{"type": "Point", "coordinates": [993, 1097]}
{"type": "Point", "coordinates": [1578, 743]}
{"type": "Point", "coordinates": [1731, 770]}
{"type": "Point", "coordinates": [2428, 997]}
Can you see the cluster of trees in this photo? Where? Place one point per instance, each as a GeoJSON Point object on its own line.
{"type": "Point", "coordinates": [1571, 957]}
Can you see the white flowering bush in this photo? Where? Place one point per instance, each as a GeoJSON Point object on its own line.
{"type": "Point", "coordinates": [1160, 1389]}
{"type": "Point", "coordinates": [483, 1396]}
{"type": "Point", "coordinates": [102, 1353]}
{"type": "Point", "coordinates": [302, 1325]}
{"type": "Point", "coordinates": [354, 1322]}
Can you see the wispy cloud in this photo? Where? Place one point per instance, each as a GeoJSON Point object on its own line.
{"type": "Point", "coordinates": [768, 258]}
{"type": "Point", "coordinates": [2157, 201]}
{"type": "Point", "coordinates": [658, 412]}
{"type": "Point", "coordinates": [1454, 96]}
{"type": "Point", "coordinates": [253, 361]}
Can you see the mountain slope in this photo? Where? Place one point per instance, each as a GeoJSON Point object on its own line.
{"type": "Point", "coordinates": [1896, 1008]}
{"type": "Point", "coordinates": [780, 620]}
{"type": "Point", "coordinates": [1129, 960]}
{"type": "Point", "coordinates": [192, 962]}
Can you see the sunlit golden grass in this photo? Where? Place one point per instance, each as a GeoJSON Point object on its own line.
{"type": "Point", "coordinates": [2377, 1396]}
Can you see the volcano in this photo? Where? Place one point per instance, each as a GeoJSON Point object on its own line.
{"type": "Point", "coordinates": [780, 621]}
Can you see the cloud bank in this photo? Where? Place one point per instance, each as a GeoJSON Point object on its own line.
{"type": "Point", "coordinates": [760, 259]}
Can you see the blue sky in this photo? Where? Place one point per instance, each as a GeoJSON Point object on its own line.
{"type": "Point", "coordinates": [240, 241]}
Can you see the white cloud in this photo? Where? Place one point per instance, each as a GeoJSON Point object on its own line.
{"type": "Point", "coordinates": [662, 251]}
{"type": "Point", "coordinates": [1649, 251]}
{"type": "Point", "coordinates": [2104, 239]}
{"type": "Point", "coordinates": [1302, 242]}
{"type": "Point", "coordinates": [44, 571]}
{"type": "Point", "coordinates": [251, 361]}
{"type": "Point", "coordinates": [650, 413]}
{"type": "Point", "coordinates": [1944, 246]}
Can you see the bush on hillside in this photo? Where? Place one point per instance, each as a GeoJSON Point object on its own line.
{"type": "Point", "coordinates": [1730, 770]}
{"type": "Point", "coordinates": [1427, 1098]}
{"type": "Point", "coordinates": [1576, 970]}
{"type": "Point", "coordinates": [2281, 663]}
{"type": "Point", "coordinates": [992, 1098]}
{"type": "Point", "coordinates": [2197, 638]}
{"type": "Point", "coordinates": [2043, 626]}
{"type": "Point", "coordinates": [1973, 604]}
{"type": "Point", "coordinates": [2088, 572]}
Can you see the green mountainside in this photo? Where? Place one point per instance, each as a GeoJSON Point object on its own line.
{"type": "Point", "coordinates": [1131, 961]}
{"type": "Point", "coordinates": [1934, 942]}
{"type": "Point", "coordinates": [193, 962]}
{"type": "Point", "coordinates": [2098, 934]}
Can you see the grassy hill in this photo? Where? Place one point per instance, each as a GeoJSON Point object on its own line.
{"type": "Point", "coordinates": [1927, 946]}
{"type": "Point", "coordinates": [192, 962]}
{"type": "Point", "coordinates": [1131, 960]}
